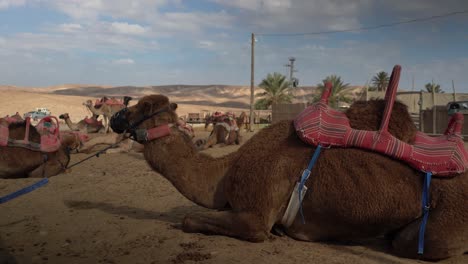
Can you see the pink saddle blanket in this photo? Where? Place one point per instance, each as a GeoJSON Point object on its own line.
{"type": "Point", "coordinates": [48, 128]}
{"type": "Point", "coordinates": [107, 101]}
{"type": "Point", "coordinates": [445, 155]}
{"type": "Point", "coordinates": [92, 121]}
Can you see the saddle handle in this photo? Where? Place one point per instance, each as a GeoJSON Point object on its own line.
{"type": "Point", "coordinates": [390, 97]}
{"type": "Point", "coordinates": [26, 132]}
{"type": "Point", "coordinates": [326, 92]}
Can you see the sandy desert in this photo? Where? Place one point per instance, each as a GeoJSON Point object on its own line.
{"type": "Point", "coordinates": [115, 209]}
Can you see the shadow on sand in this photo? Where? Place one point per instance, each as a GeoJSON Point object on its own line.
{"type": "Point", "coordinates": [172, 216]}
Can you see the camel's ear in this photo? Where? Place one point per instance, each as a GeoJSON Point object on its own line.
{"type": "Point", "coordinates": [173, 106]}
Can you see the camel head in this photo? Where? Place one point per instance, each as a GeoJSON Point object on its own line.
{"type": "Point", "coordinates": [151, 111]}
{"type": "Point", "coordinates": [127, 100]}
{"type": "Point", "coordinates": [88, 103]}
{"type": "Point", "coordinates": [64, 116]}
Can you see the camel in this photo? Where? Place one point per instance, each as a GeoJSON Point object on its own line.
{"type": "Point", "coordinates": [223, 132]}
{"type": "Point", "coordinates": [19, 162]}
{"type": "Point", "coordinates": [87, 125]}
{"type": "Point", "coordinates": [353, 193]}
{"type": "Point", "coordinates": [125, 146]}
{"type": "Point", "coordinates": [243, 120]}
{"type": "Point", "coordinates": [107, 110]}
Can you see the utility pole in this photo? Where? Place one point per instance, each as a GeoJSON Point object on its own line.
{"type": "Point", "coordinates": [454, 94]}
{"type": "Point", "coordinates": [290, 65]}
{"type": "Point", "coordinates": [434, 117]}
{"type": "Point", "coordinates": [412, 82]}
{"type": "Point", "coordinates": [252, 82]}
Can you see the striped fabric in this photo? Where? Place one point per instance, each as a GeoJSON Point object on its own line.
{"type": "Point", "coordinates": [49, 131]}
{"type": "Point", "coordinates": [445, 155]}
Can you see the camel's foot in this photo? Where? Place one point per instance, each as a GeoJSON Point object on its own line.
{"type": "Point", "coordinates": [246, 226]}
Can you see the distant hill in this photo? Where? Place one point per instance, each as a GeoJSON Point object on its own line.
{"type": "Point", "coordinates": [206, 95]}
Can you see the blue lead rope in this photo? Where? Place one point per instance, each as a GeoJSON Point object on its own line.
{"type": "Point", "coordinates": [25, 190]}
{"type": "Point", "coordinates": [305, 176]}
{"type": "Point", "coordinates": [425, 207]}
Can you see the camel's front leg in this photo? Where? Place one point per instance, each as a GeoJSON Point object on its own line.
{"type": "Point", "coordinates": [244, 225]}
{"type": "Point", "coordinates": [210, 141]}
{"type": "Point", "coordinates": [106, 121]}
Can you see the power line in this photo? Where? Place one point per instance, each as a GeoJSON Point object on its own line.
{"type": "Point", "coordinates": [366, 28]}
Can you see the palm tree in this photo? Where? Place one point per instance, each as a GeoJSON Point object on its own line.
{"type": "Point", "coordinates": [276, 91]}
{"type": "Point", "coordinates": [336, 95]}
{"type": "Point", "coordinates": [432, 86]}
{"type": "Point", "coordinates": [380, 81]}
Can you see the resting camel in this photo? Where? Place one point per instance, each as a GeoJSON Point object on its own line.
{"type": "Point", "coordinates": [19, 162]}
{"type": "Point", "coordinates": [126, 145]}
{"type": "Point", "coordinates": [224, 132]}
{"type": "Point", "coordinates": [87, 125]}
{"type": "Point", "coordinates": [353, 193]}
{"type": "Point", "coordinates": [107, 109]}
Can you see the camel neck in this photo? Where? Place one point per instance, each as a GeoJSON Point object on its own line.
{"type": "Point", "coordinates": [199, 177]}
{"type": "Point", "coordinates": [93, 110]}
{"type": "Point", "coordinates": [69, 123]}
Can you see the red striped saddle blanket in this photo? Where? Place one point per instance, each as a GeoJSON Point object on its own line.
{"type": "Point", "coordinates": [445, 155]}
{"type": "Point", "coordinates": [48, 128]}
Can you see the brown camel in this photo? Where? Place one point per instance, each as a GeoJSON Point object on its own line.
{"type": "Point", "coordinates": [19, 162]}
{"type": "Point", "coordinates": [107, 109]}
{"type": "Point", "coordinates": [243, 120]}
{"type": "Point", "coordinates": [223, 132]}
{"type": "Point", "coordinates": [353, 193]}
{"type": "Point", "coordinates": [87, 125]}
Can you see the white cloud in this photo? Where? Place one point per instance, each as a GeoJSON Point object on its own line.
{"type": "Point", "coordinates": [193, 22]}
{"type": "Point", "coordinates": [126, 28]}
{"type": "Point", "coordinates": [206, 44]}
{"type": "Point", "coordinates": [123, 62]}
{"type": "Point", "coordinates": [4, 4]}
{"type": "Point", "coordinates": [69, 28]}
{"type": "Point", "coordinates": [300, 15]}
{"type": "Point", "coordinates": [93, 9]}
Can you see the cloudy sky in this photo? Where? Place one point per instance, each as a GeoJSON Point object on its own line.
{"type": "Point", "coordinates": [155, 42]}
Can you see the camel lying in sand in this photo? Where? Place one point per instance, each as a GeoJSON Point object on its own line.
{"type": "Point", "coordinates": [353, 193]}
{"type": "Point", "coordinates": [225, 131]}
{"type": "Point", "coordinates": [86, 125]}
{"type": "Point", "coordinates": [124, 146]}
{"type": "Point", "coordinates": [20, 162]}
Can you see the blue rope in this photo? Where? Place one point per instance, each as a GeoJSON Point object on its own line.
{"type": "Point", "coordinates": [305, 176]}
{"type": "Point", "coordinates": [26, 190]}
{"type": "Point", "coordinates": [425, 207]}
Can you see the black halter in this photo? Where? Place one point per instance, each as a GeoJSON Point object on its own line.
{"type": "Point", "coordinates": [120, 124]}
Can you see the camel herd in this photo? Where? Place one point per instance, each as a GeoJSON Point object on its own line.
{"type": "Point", "coordinates": [354, 193]}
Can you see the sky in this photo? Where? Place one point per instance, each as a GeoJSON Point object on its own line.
{"type": "Point", "coordinates": [158, 42]}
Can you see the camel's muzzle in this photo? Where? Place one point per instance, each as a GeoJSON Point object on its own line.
{"type": "Point", "coordinates": [119, 122]}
